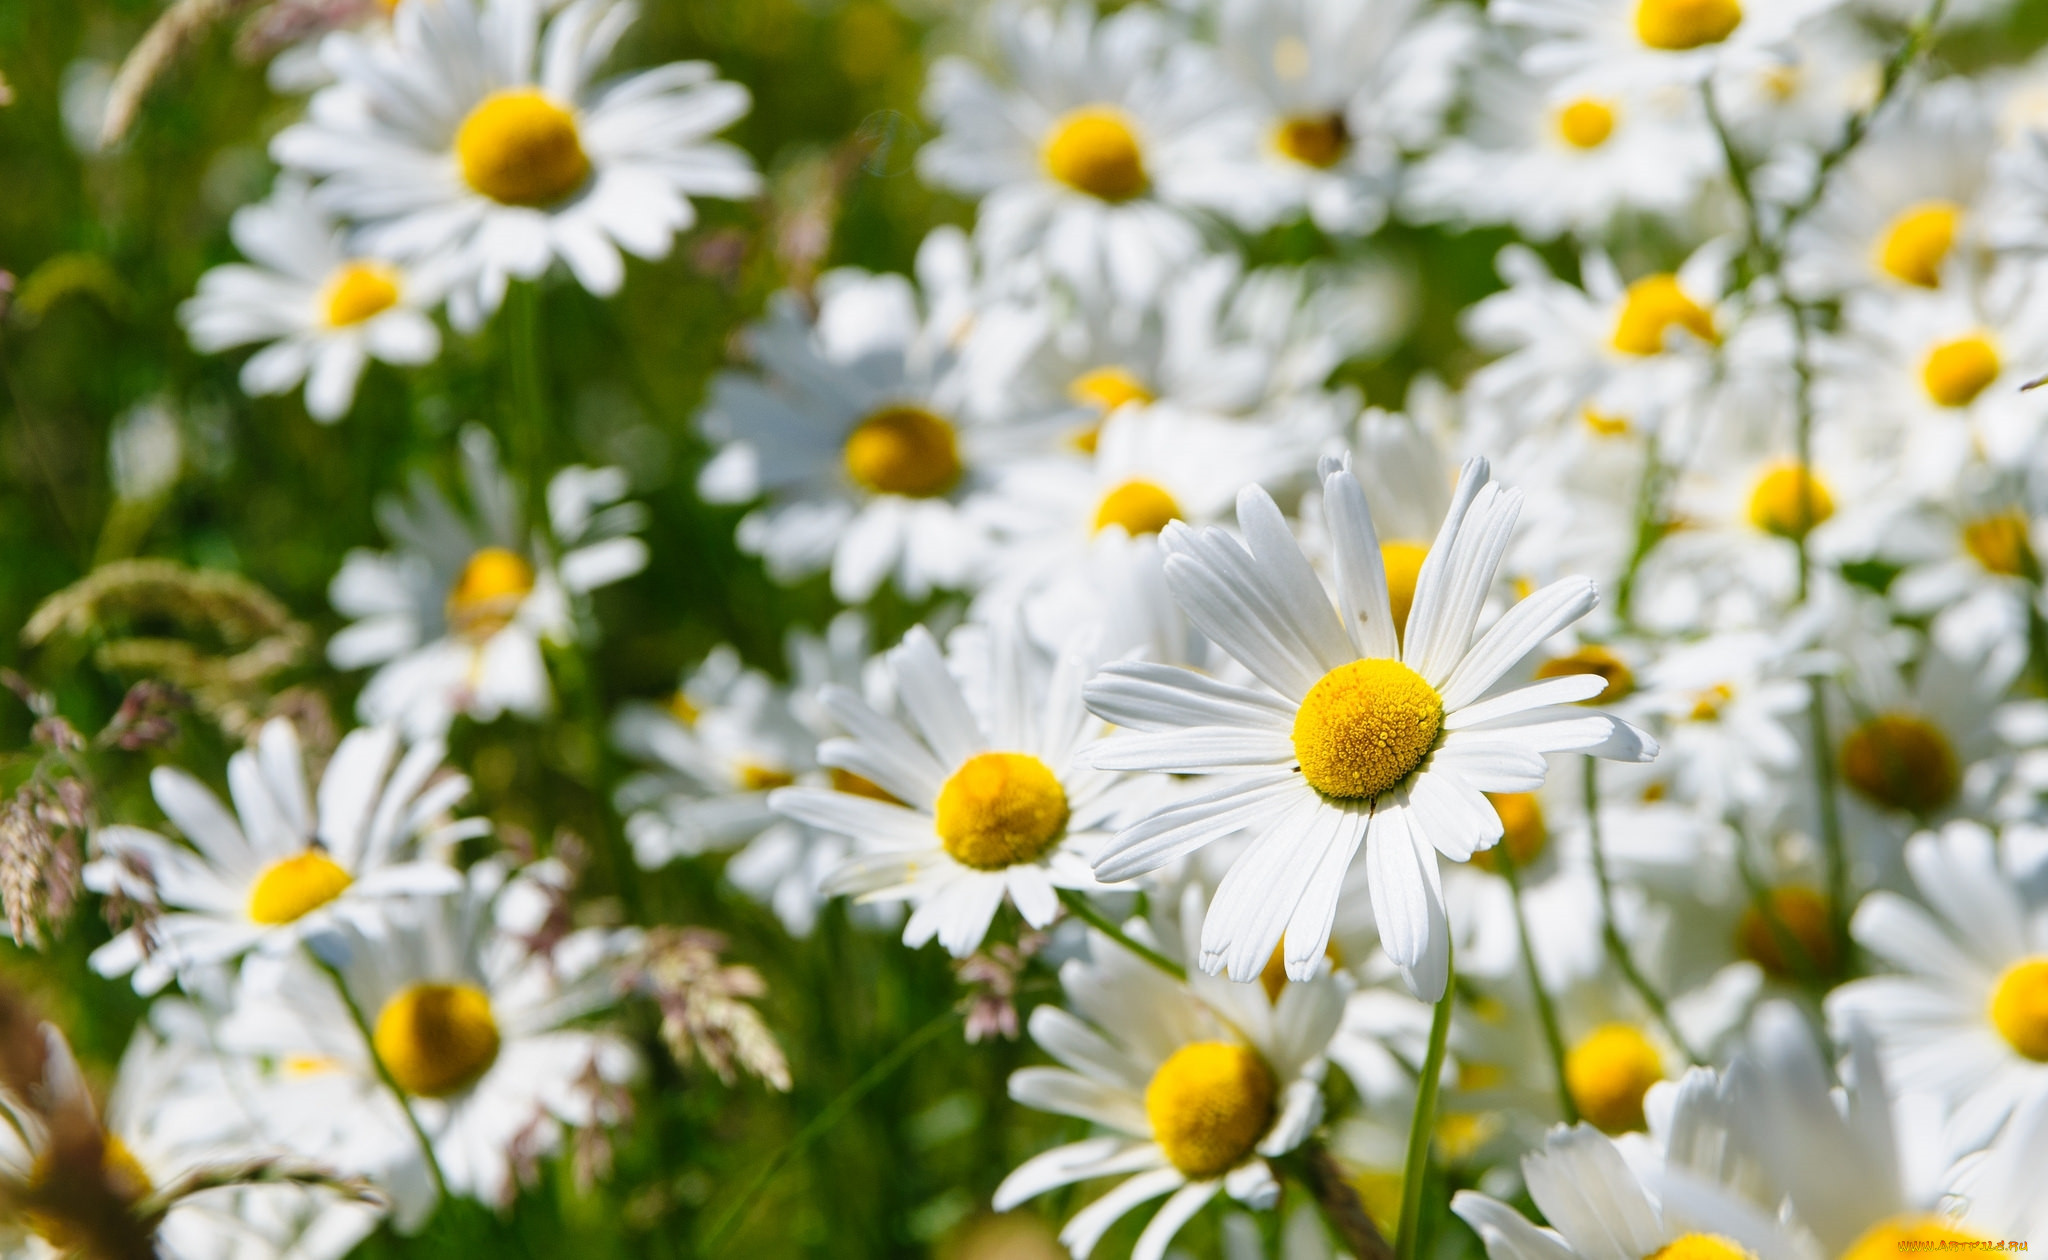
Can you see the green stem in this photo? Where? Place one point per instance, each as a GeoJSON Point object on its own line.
{"type": "Point", "coordinates": [1423, 1123]}
{"type": "Point", "coordinates": [530, 424]}
{"type": "Point", "coordinates": [1546, 1013]}
{"type": "Point", "coordinates": [832, 1113]}
{"type": "Point", "coordinates": [355, 1013]}
{"type": "Point", "coordinates": [1617, 948]}
{"type": "Point", "coordinates": [1079, 907]}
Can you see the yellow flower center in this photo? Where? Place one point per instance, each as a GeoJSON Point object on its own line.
{"type": "Point", "coordinates": [1707, 704]}
{"type": "Point", "coordinates": [1609, 1072]}
{"type": "Point", "coordinates": [519, 148]}
{"type": "Point", "coordinates": [1523, 833]}
{"type": "Point", "coordinates": [2001, 543]}
{"type": "Point", "coordinates": [1209, 1105]}
{"type": "Point", "coordinates": [1654, 306]}
{"type": "Point", "coordinates": [1403, 562]}
{"type": "Point", "coordinates": [903, 450]}
{"type": "Point", "coordinates": [1319, 140]}
{"type": "Point", "coordinates": [2019, 1007]}
{"type": "Point", "coordinates": [289, 890]}
{"type": "Point", "coordinates": [1802, 914]}
{"type": "Point", "coordinates": [1586, 123]}
{"type": "Point", "coordinates": [488, 594]}
{"type": "Point", "coordinates": [1701, 1247]}
{"type": "Point", "coordinates": [1095, 150]}
{"type": "Point", "coordinates": [1916, 243]}
{"type": "Point", "coordinates": [1591, 658]}
{"type": "Point", "coordinates": [1364, 727]}
{"type": "Point", "coordinates": [1107, 388]}
{"type": "Point", "coordinates": [1140, 507]}
{"type": "Point", "coordinates": [121, 1174]}
{"type": "Point", "coordinates": [683, 710]}
{"type": "Point", "coordinates": [1000, 809]}
{"type": "Point", "coordinates": [436, 1039]}
{"type": "Point", "coordinates": [1902, 761]}
{"type": "Point", "coordinates": [754, 777]}
{"type": "Point", "coordinates": [1957, 371]}
{"type": "Point", "coordinates": [1887, 1239]}
{"type": "Point", "coordinates": [860, 785]}
{"type": "Point", "coordinates": [1679, 25]}
{"type": "Point", "coordinates": [1789, 501]}
{"type": "Point", "coordinates": [1605, 425]}
{"type": "Point", "coordinates": [359, 291]}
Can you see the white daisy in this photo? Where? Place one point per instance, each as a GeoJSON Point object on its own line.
{"type": "Point", "coordinates": [456, 619]}
{"type": "Point", "coordinates": [320, 310]}
{"type": "Point", "coordinates": [1355, 736]}
{"type": "Point", "coordinates": [1971, 558]}
{"type": "Point", "coordinates": [992, 800]}
{"type": "Point", "coordinates": [1199, 1086]}
{"type": "Point", "coordinates": [1968, 1021]}
{"type": "Point", "coordinates": [474, 135]}
{"type": "Point", "coordinates": [1645, 42]}
{"type": "Point", "coordinates": [1079, 157]}
{"type": "Point", "coordinates": [287, 862]}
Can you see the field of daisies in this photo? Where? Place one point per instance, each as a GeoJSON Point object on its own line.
{"type": "Point", "coordinates": [1404, 629]}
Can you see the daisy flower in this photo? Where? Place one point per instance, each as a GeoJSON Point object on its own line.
{"type": "Point", "coordinates": [856, 435]}
{"type": "Point", "coordinates": [1725, 706]}
{"type": "Point", "coordinates": [1354, 736]}
{"type": "Point", "coordinates": [475, 135]}
{"type": "Point", "coordinates": [320, 310]}
{"type": "Point", "coordinates": [992, 799]}
{"type": "Point", "coordinates": [1967, 1020]}
{"type": "Point", "coordinates": [475, 1021]}
{"type": "Point", "coordinates": [287, 862]}
{"type": "Point", "coordinates": [1080, 158]}
{"type": "Point", "coordinates": [1970, 559]}
{"type": "Point", "coordinates": [1198, 1085]}
{"type": "Point", "coordinates": [456, 619]}
{"type": "Point", "coordinates": [1649, 42]}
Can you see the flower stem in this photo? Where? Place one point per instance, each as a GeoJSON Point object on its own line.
{"type": "Point", "coordinates": [1617, 948]}
{"type": "Point", "coordinates": [529, 444]}
{"type": "Point", "coordinates": [1423, 1125]}
{"type": "Point", "coordinates": [1078, 905]}
{"type": "Point", "coordinates": [831, 1114]}
{"type": "Point", "coordinates": [355, 1013]}
{"type": "Point", "coordinates": [1546, 1013]}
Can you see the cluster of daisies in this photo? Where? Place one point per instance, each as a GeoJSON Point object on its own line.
{"type": "Point", "coordinates": [1624, 762]}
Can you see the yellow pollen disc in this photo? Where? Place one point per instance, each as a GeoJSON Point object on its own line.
{"type": "Point", "coordinates": [1916, 243]}
{"type": "Point", "coordinates": [121, 1174]}
{"type": "Point", "coordinates": [1605, 425]}
{"type": "Point", "coordinates": [1107, 388]}
{"type": "Point", "coordinates": [1653, 307]}
{"type": "Point", "coordinates": [1701, 1247]}
{"type": "Point", "coordinates": [1609, 1072]}
{"type": "Point", "coordinates": [860, 785]}
{"type": "Point", "coordinates": [1586, 123]}
{"type": "Point", "coordinates": [437, 1039]}
{"type": "Point", "coordinates": [1789, 501]}
{"type": "Point", "coordinates": [1679, 25]}
{"type": "Point", "coordinates": [903, 450]}
{"type": "Point", "coordinates": [1209, 1105]}
{"type": "Point", "coordinates": [519, 148]}
{"type": "Point", "coordinates": [2019, 1008]}
{"type": "Point", "coordinates": [1000, 809]}
{"type": "Point", "coordinates": [488, 594]}
{"type": "Point", "coordinates": [2002, 543]}
{"type": "Point", "coordinates": [1140, 507]}
{"type": "Point", "coordinates": [1317, 140]}
{"type": "Point", "coordinates": [287, 891]}
{"type": "Point", "coordinates": [359, 291]}
{"type": "Point", "coordinates": [1957, 371]}
{"type": "Point", "coordinates": [1902, 761]}
{"type": "Point", "coordinates": [754, 777]}
{"type": "Point", "coordinates": [1273, 976]}
{"type": "Point", "coordinates": [1095, 150]}
{"type": "Point", "coordinates": [1707, 705]}
{"type": "Point", "coordinates": [1802, 914]}
{"type": "Point", "coordinates": [1403, 562]}
{"type": "Point", "coordinates": [1523, 833]}
{"type": "Point", "coordinates": [1364, 727]}
{"type": "Point", "coordinates": [1887, 1239]}
{"type": "Point", "coordinates": [1592, 659]}
{"type": "Point", "coordinates": [683, 710]}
